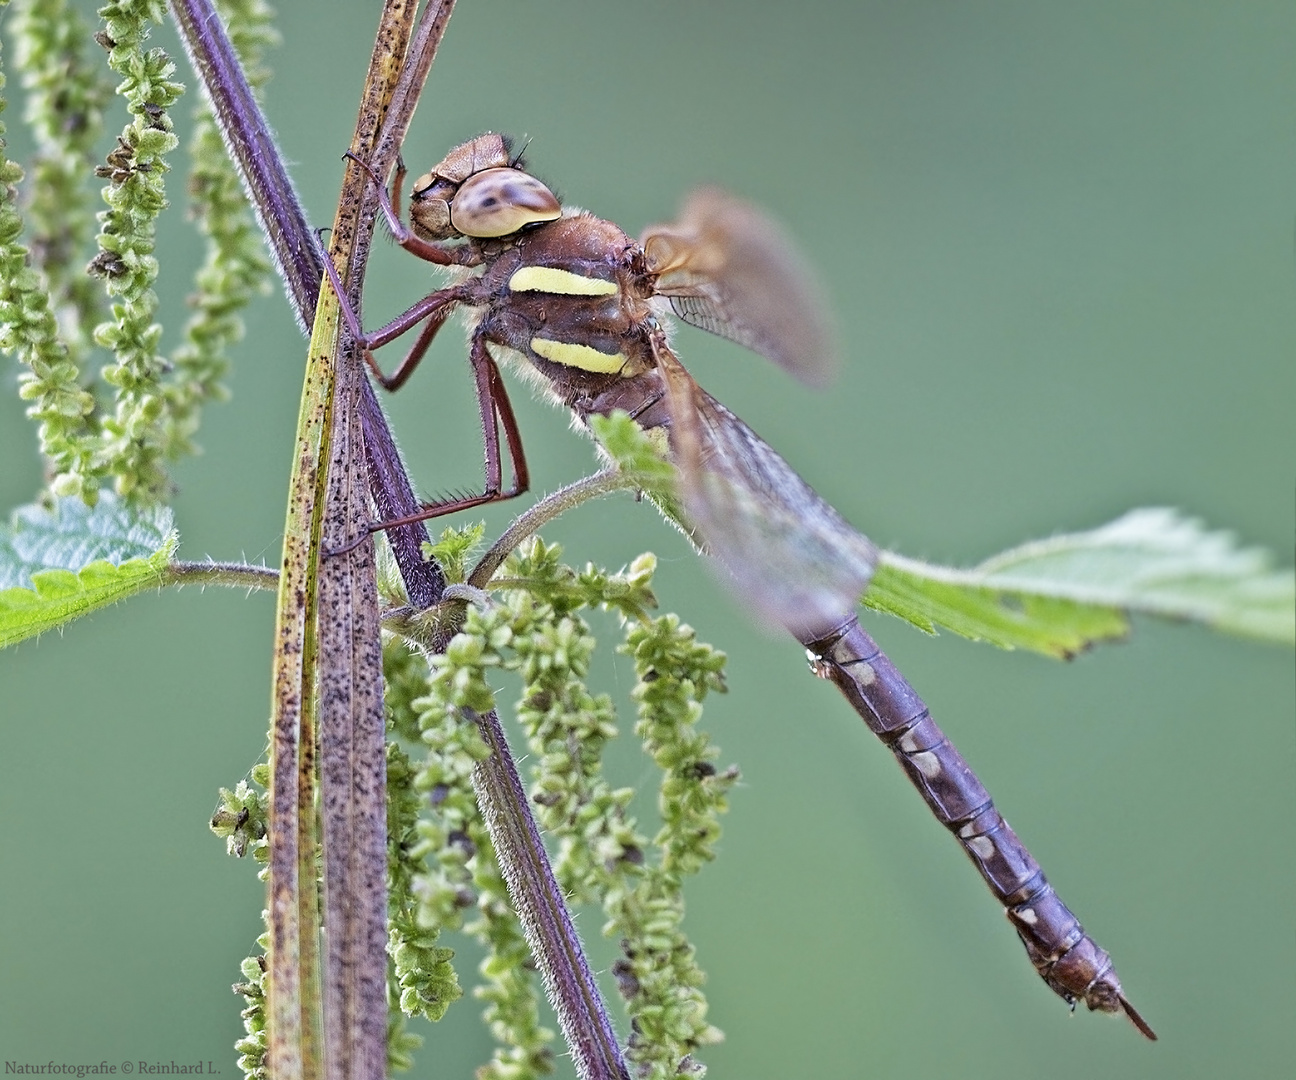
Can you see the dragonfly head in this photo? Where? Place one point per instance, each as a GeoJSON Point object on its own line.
{"type": "Point", "coordinates": [477, 190]}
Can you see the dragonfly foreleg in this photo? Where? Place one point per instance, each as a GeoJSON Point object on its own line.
{"type": "Point", "coordinates": [390, 202]}
{"type": "Point", "coordinates": [434, 308]}
{"type": "Point", "coordinates": [418, 350]}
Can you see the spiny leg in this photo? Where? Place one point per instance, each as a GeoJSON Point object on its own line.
{"type": "Point", "coordinates": [418, 350]}
{"type": "Point", "coordinates": [435, 308]}
{"type": "Point", "coordinates": [512, 433]}
{"type": "Point", "coordinates": [495, 410]}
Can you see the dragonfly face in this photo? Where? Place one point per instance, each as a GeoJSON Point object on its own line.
{"type": "Point", "coordinates": [476, 190]}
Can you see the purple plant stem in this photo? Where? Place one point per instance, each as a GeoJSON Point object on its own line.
{"type": "Point", "coordinates": [540, 908]}
{"type": "Point", "coordinates": [248, 138]}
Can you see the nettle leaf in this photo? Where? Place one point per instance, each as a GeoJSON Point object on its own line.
{"type": "Point", "coordinates": [1061, 595]}
{"type": "Point", "coordinates": [634, 451]}
{"type": "Point", "coordinates": [56, 565]}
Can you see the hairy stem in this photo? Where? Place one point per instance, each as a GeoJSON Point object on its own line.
{"type": "Point", "coordinates": [234, 575]}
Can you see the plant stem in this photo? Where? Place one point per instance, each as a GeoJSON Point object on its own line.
{"type": "Point", "coordinates": [234, 575]}
{"type": "Point", "coordinates": [353, 763]}
{"type": "Point", "coordinates": [539, 904]}
{"type": "Point", "coordinates": [247, 136]}
{"type": "Point", "coordinates": [536, 517]}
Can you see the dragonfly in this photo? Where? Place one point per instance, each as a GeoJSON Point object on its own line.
{"type": "Point", "coordinates": [584, 310]}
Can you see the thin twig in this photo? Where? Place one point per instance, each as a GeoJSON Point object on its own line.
{"type": "Point", "coordinates": [538, 516]}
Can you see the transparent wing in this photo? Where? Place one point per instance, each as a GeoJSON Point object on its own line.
{"type": "Point", "coordinates": [727, 268]}
{"type": "Point", "coordinates": [791, 556]}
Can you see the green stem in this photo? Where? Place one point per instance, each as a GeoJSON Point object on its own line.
{"type": "Point", "coordinates": [543, 512]}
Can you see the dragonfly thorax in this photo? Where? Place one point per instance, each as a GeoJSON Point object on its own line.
{"type": "Point", "coordinates": [570, 296]}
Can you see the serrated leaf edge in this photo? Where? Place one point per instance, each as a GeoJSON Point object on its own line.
{"type": "Point", "coordinates": [54, 607]}
{"type": "Point", "coordinates": [1258, 602]}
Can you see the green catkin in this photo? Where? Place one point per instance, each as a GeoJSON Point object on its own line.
{"type": "Point", "coordinates": [463, 870]}
{"type": "Point", "coordinates": [240, 820]}
{"type": "Point", "coordinates": [251, 1049]}
{"type": "Point", "coordinates": [236, 268]}
{"type": "Point", "coordinates": [48, 298]}
{"type": "Point", "coordinates": [136, 434]}
{"type": "Point", "coordinates": [51, 384]}
{"type": "Point", "coordinates": [533, 627]}
{"type": "Point", "coordinates": [67, 92]}
{"type": "Point", "coordinates": [658, 973]}
{"type": "Point", "coordinates": [440, 858]}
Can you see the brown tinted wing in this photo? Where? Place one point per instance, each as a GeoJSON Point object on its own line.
{"type": "Point", "coordinates": [727, 268]}
{"type": "Point", "coordinates": [790, 555]}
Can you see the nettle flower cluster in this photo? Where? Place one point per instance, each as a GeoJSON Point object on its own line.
{"type": "Point", "coordinates": [144, 408]}
{"type": "Point", "coordinates": [444, 873]}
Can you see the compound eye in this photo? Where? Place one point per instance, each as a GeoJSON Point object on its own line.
{"type": "Point", "coordinates": [497, 202]}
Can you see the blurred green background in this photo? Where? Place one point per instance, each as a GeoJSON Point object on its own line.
{"type": "Point", "coordinates": [1058, 241]}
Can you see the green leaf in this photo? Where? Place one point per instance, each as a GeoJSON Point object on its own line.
{"type": "Point", "coordinates": [640, 455]}
{"type": "Point", "coordinates": [633, 450]}
{"type": "Point", "coordinates": [454, 547]}
{"type": "Point", "coordinates": [914, 591]}
{"type": "Point", "coordinates": [1061, 595]}
{"type": "Point", "coordinates": [58, 564]}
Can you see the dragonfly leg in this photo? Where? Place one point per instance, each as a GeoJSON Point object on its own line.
{"type": "Point", "coordinates": [417, 351]}
{"type": "Point", "coordinates": [401, 233]}
{"type": "Point", "coordinates": [512, 434]}
{"type": "Point", "coordinates": [435, 308]}
{"type": "Point", "coordinates": [496, 411]}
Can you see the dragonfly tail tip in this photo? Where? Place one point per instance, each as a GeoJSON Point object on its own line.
{"type": "Point", "coordinates": [1137, 1020]}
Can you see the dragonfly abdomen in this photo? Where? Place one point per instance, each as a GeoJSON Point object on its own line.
{"type": "Point", "coordinates": [1072, 964]}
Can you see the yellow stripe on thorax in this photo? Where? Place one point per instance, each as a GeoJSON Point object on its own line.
{"type": "Point", "coordinates": [549, 279]}
{"type": "Point", "coordinates": [578, 356]}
